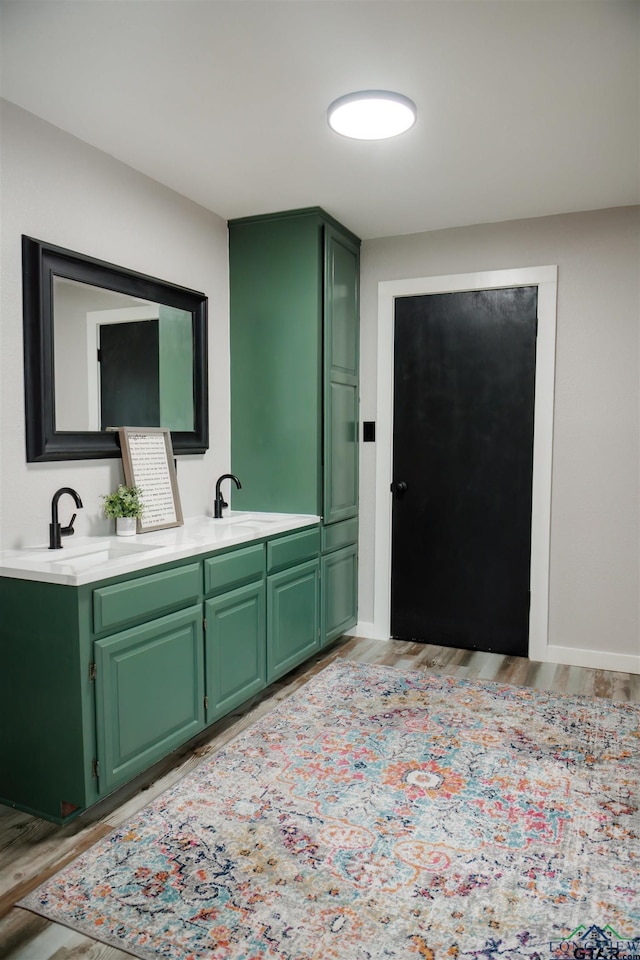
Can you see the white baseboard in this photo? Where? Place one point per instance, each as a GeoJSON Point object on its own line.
{"type": "Point", "coordinates": [598, 659]}
{"type": "Point", "coordinates": [362, 629]}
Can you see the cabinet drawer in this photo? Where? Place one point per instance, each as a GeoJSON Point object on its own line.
{"type": "Point", "coordinates": [337, 535]}
{"type": "Point", "coordinates": [293, 549]}
{"type": "Point", "coordinates": [146, 597]}
{"type": "Point", "coordinates": [232, 569]}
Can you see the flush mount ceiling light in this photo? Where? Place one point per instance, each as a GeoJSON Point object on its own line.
{"type": "Point", "coordinates": [372, 115]}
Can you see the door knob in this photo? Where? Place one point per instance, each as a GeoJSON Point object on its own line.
{"type": "Point", "coordinates": [399, 487]}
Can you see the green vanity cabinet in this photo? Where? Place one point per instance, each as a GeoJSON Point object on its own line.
{"type": "Point", "coordinates": [294, 280]}
{"type": "Point", "coordinates": [235, 617]}
{"type": "Point", "coordinates": [101, 680]}
{"type": "Point", "coordinates": [47, 720]}
{"type": "Point", "coordinates": [98, 681]}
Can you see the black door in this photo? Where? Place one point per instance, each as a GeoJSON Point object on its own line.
{"type": "Point", "coordinates": [129, 374]}
{"type": "Point", "coordinates": [464, 377]}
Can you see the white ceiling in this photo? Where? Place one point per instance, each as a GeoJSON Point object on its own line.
{"type": "Point", "coordinates": [525, 107]}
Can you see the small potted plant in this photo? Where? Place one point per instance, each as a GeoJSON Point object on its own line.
{"type": "Point", "coordinates": [125, 507]}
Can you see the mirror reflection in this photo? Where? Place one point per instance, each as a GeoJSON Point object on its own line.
{"type": "Point", "coordinates": [119, 360]}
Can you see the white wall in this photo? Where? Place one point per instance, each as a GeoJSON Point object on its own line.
{"type": "Point", "coordinates": [60, 190]}
{"type": "Point", "coordinates": [595, 524]}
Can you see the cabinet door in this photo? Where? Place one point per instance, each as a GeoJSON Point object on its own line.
{"type": "Point", "coordinates": [275, 281]}
{"type": "Point", "coordinates": [339, 592]}
{"type": "Point", "coordinates": [149, 693]}
{"type": "Point", "coordinates": [235, 647]}
{"type": "Point", "coordinates": [293, 617]}
{"type": "Point", "coordinates": [341, 346]}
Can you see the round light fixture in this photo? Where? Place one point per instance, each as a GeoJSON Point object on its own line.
{"type": "Point", "coordinates": [372, 115]}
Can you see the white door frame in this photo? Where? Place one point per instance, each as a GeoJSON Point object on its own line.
{"type": "Point", "coordinates": [546, 280]}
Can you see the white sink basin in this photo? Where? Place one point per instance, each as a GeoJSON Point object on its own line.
{"type": "Point", "coordinates": [248, 519]}
{"type": "Point", "coordinates": [232, 527]}
{"type": "Point", "coordinates": [87, 555]}
{"type": "Point", "coordinates": [110, 551]}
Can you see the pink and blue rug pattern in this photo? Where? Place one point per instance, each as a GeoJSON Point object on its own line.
{"type": "Point", "coordinates": [378, 814]}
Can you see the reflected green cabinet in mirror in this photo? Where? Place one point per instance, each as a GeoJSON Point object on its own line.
{"type": "Point", "coordinates": [294, 280]}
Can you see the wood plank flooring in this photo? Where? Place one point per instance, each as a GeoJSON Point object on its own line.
{"type": "Point", "coordinates": [32, 849]}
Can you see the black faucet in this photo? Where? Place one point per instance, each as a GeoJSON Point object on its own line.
{"type": "Point", "coordinates": [219, 501]}
{"type": "Point", "coordinates": [56, 532]}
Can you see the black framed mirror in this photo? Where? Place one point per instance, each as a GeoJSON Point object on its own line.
{"type": "Point", "coordinates": [106, 347]}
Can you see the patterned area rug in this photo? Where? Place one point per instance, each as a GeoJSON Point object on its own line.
{"type": "Point", "coordinates": [380, 814]}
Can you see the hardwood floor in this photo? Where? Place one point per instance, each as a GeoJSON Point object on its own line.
{"type": "Point", "coordinates": [32, 850]}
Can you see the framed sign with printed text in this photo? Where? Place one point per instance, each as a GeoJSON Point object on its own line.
{"type": "Point", "coordinates": [147, 459]}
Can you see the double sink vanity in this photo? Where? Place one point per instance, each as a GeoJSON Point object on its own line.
{"type": "Point", "coordinates": [117, 651]}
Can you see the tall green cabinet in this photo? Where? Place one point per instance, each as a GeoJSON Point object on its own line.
{"type": "Point", "coordinates": [294, 286]}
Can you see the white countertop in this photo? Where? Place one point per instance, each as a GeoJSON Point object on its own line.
{"type": "Point", "coordinates": [88, 559]}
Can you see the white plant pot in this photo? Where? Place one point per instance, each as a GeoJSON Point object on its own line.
{"type": "Point", "coordinates": [126, 526]}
